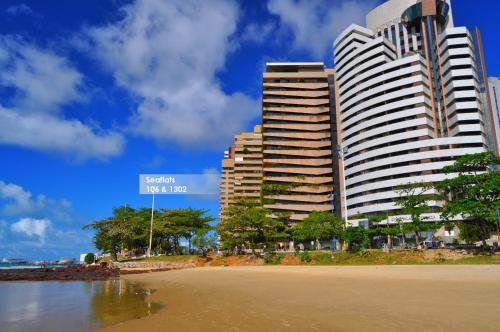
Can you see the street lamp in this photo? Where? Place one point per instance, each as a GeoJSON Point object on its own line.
{"type": "Point", "coordinates": [341, 152]}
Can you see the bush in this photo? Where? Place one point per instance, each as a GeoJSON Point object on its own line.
{"type": "Point", "coordinates": [273, 259]}
{"type": "Point", "coordinates": [439, 258]}
{"type": "Point", "coordinates": [305, 256]}
{"type": "Point", "coordinates": [323, 258]}
{"type": "Point", "coordinates": [364, 253]}
{"type": "Point", "coordinates": [357, 237]}
{"type": "Point", "coordinates": [89, 258]}
{"type": "Point", "coordinates": [485, 248]}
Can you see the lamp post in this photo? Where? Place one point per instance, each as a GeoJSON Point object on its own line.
{"type": "Point", "coordinates": [341, 152]}
{"type": "Point", "coordinates": [151, 227]}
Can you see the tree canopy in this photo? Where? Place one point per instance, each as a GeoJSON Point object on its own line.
{"type": "Point", "coordinates": [413, 200]}
{"type": "Point", "coordinates": [318, 226]}
{"type": "Point", "coordinates": [246, 224]}
{"type": "Point", "coordinates": [128, 229]}
{"type": "Point", "coordinates": [472, 194]}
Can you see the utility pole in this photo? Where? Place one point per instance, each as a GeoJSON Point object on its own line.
{"type": "Point", "coordinates": [151, 228]}
{"type": "Point", "coordinates": [341, 151]}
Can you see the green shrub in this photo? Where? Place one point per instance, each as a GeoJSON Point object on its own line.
{"type": "Point", "coordinates": [304, 256]}
{"type": "Point", "coordinates": [357, 237]}
{"type": "Point", "coordinates": [89, 258]}
{"type": "Point", "coordinates": [279, 257]}
{"type": "Point", "coordinates": [363, 253]}
{"type": "Point", "coordinates": [273, 259]}
{"type": "Point", "coordinates": [323, 258]}
{"type": "Point", "coordinates": [439, 258]}
{"type": "Point", "coordinates": [485, 248]}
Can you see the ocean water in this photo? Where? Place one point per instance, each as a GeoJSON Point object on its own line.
{"type": "Point", "coordinates": [5, 266]}
{"type": "Point", "coordinates": [8, 266]}
{"type": "Point", "coordinates": [71, 305]}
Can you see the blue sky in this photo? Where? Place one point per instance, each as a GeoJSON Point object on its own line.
{"type": "Point", "coordinates": [94, 92]}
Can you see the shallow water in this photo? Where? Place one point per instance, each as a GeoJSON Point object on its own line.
{"type": "Point", "coordinates": [71, 305]}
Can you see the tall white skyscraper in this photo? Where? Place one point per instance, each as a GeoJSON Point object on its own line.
{"type": "Point", "coordinates": [494, 88]}
{"type": "Point", "coordinates": [410, 101]}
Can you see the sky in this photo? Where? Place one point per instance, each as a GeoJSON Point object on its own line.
{"type": "Point", "coordinates": [95, 92]}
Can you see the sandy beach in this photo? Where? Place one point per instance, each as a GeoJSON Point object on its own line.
{"type": "Point", "coordinates": [294, 298]}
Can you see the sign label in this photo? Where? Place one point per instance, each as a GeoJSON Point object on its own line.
{"type": "Point", "coordinates": [179, 184]}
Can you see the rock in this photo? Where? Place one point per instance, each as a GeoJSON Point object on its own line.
{"type": "Point", "coordinates": [60, 273]}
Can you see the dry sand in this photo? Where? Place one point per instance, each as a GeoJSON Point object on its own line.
{"type": "Point", "coordinates": [309, 298]}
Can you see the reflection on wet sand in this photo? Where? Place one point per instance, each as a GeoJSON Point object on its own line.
{"type": "Point", "coordinates": [115, 301]}
{"type": "Point", "coordinates": [75, 306]}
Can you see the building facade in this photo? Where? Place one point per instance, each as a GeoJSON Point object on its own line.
{"type": "Point", "coordinates": [226, 187]}
{"type": "Point", "coordinates": [241, 169]}
{"type": "Point", "coordinates": [248, 164]}
{"type": "Point", "coordinates": [494, 94]}
{"type": "Point", "coordinates": [297, 139]}
{"type": "Point", "coordinates": [409, 102]}
{"type": "Point", "coordinates": [409, 95]}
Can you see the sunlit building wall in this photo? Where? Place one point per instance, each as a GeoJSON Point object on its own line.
{"type": "Point", "coordinates": [248, 164]}
{"type": "Point", "coordinates": [494, 94]}
{"type": "Point", "coordinates": [409, 101]}
{"type": "Point", "coordinates": [297, 139]}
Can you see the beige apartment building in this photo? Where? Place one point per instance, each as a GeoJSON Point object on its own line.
{"type": "Point", "coordinates": [226, 187]}
{"type": "Point", "coordinates": [297, 139]}
{"type": "Point", "coordinates": [248, 164]}
{"type": "Point", "coordinates": [242, 169]}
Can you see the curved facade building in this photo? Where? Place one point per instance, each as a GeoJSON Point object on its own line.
{"type": "Point", "coordinates": [409, 101]}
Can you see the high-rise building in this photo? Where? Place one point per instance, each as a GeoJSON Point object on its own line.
{"type": "Point", "coordinates": [227, 181]}
{"type": "Point", "coordinates": [241, 169]}
{"type": "Point", "coordinates": [409, 101]}
{"type": "Point", "coordinates": [494, 89]}
{"type": "Point", "coordinates": [297, 139]}
{"type": "Point", "coordinates": [248, 164]}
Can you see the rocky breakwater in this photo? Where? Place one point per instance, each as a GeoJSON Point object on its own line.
{"type": "Point", "coordinates": [145, 267]}
{"type": "Point", "coordinates": [92, 272]}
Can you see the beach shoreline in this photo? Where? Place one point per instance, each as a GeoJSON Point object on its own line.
{"type": "Point", "coordinates": [339, 298]}
{"type": "Point", "coordinates": [69, 273]}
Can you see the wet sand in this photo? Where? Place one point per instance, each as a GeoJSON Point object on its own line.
{"type": "Point", "coordinates": [299, 298]}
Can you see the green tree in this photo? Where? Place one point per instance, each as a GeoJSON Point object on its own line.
{"type": "Point", "coordinates": [204, 242]}
{"type": "Point", "coordinates": [185, 223]}
{"type": "Point", "coordinates": [89, 258]}
{"type": "Point", "coordinates": [413, 198]}
{"type": "Point", "coordinates": [247, 224]}
{"type": "Point", "coordinates": [357, 238]}
{"type": "Point", "coordinates": [318, 226]}
{"type": "Point", "coordinates": [111, 234]}
{"type": "Point", "coordinates": [388, 230]}
{"type": "Point", "coordinates": [129, 229]}
{"type": "Point", "coordinates": [472, 193]}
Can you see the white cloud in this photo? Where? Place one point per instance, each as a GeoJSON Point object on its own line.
{"type": "Point", "coordinates": [258, 33]}
{"type": "Point", "coordinates": [21, 198]}
{"type": "Point", "coordinates": [316, 23]}
{"type": "Point", "coordinates": [43, 82]}
{"type": "Point", "coordinates": [19, 9]}
{"type": "Point", "coordinates": [31, 227]}
{"type": "Point", "coordinates": [49, 133]}
{"type": "Point", "coordinates": [167, 54]}
{"type": "Point", "coordinates": [20, 202]}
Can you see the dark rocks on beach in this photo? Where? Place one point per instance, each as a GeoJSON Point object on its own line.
{"type": "Point", "coordinates": [60, 273]}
